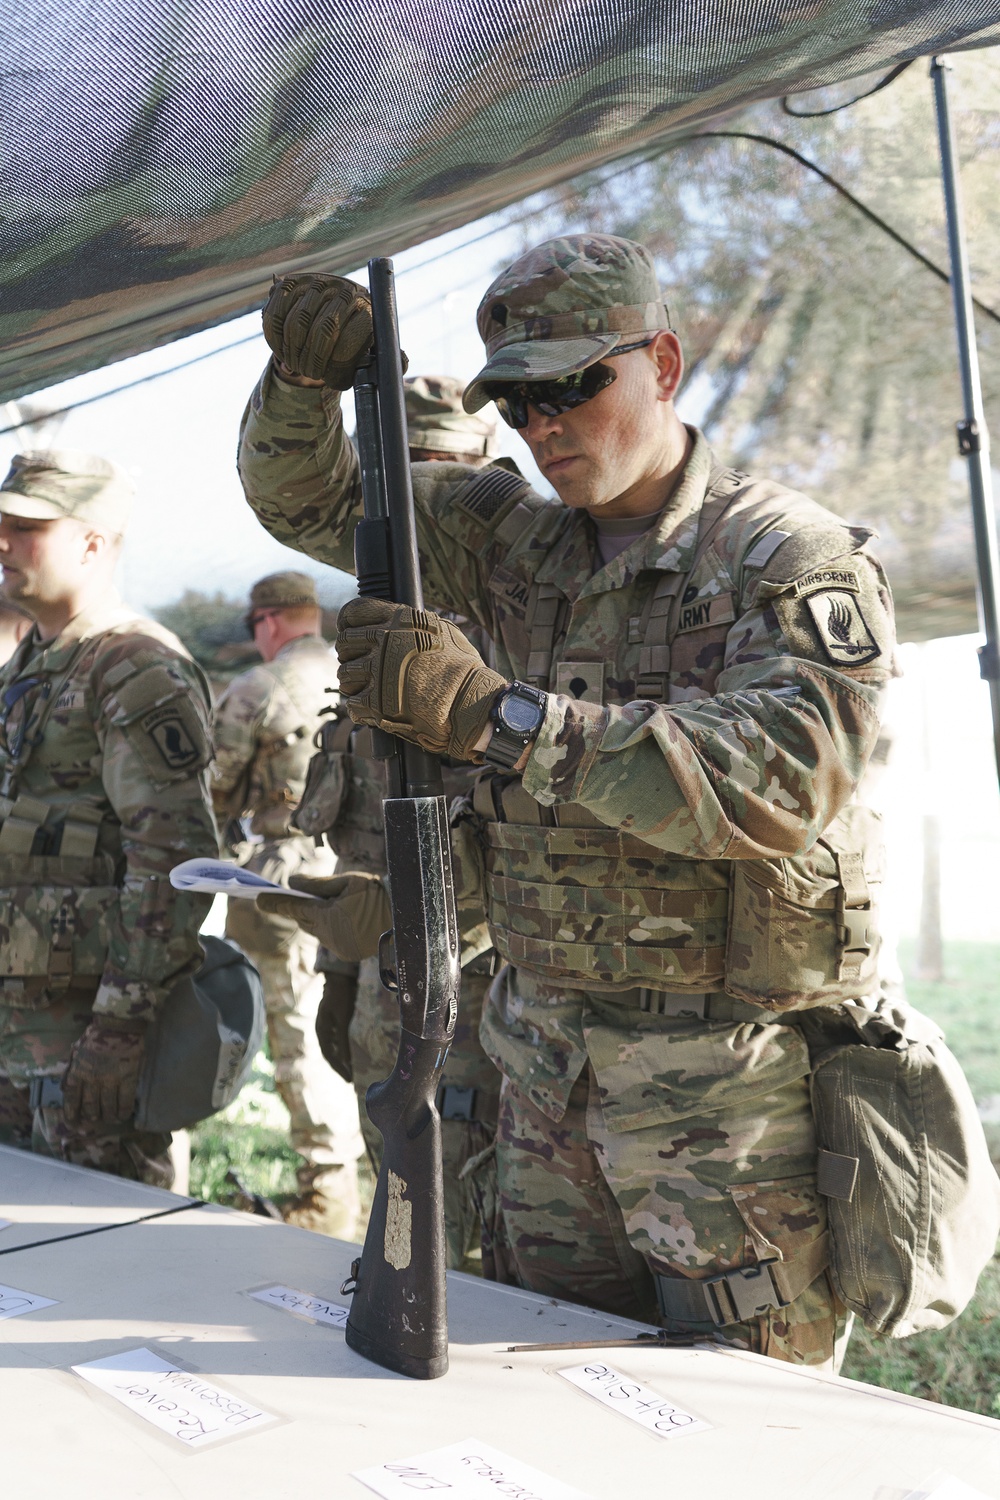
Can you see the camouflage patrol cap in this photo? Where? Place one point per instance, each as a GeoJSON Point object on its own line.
{"type": "Point", "coordinates": [563, 305]}
{"type": "Point", "coordinates": [437, 421]}
{"type": "Point", "coordinates": [48, 484]}
{"type": "Point", "coordinates": [283, 591]}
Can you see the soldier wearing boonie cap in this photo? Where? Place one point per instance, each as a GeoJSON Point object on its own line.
{"type": "Point", "coordinates": [104, 748]}
{"type": "Point", "coordinates": [265, 724]}
{"type": "Point", "coordinates": [683, 694]}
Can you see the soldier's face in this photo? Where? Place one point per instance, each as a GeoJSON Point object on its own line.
{"type": "Point", "coordinates": [599, 454]}
{"type": "Point", "coordinates": [42, 560]}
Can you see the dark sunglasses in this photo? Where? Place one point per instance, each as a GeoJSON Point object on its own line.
{"type": "Point", "coordinates": [552, 397]}
{"type": "Point", "coordinates": [252, 620]}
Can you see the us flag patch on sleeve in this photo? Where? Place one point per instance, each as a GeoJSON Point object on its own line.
{"type": "Point", "coordinates": [842, 628]}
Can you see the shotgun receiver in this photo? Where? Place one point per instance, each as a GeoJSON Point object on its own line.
{"type": "Point", "coordinates": [398, 1315]}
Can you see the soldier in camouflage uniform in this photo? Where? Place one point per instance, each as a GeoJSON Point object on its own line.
{"type": "Point", "coordinates": [359, 1018]}
{"type": "Point", "coordinates": [265, 722]}
{"type": "Point", "coordinates": [688, 670]}
{"type": "Point", "coordinates": [104, 748]}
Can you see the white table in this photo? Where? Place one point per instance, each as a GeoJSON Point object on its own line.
{"type": "Point", "coordinates": [44, 1200]}
{"type": "Point", "coordinates": [178, 1284]}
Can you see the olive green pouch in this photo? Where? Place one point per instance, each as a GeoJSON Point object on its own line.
{"type": "Point", "coordinates": [323, 795]}
{"type": "Point", "coordinates": [913, 1201]}
{"type": "Point", "coordinates": [803, 931]}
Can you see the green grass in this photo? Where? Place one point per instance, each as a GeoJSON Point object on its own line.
{"type": "Point", "coordinates": [958, 1365]}
{"type": "Point", "coordinates": [250, 1139]}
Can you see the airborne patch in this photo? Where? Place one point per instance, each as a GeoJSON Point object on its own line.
{"type": "Point", "coordinates": [168, 733]}
{"type": "Point", "coordinates": [826, 578]}
{"type": "Point", "coordinates": [842, 628]}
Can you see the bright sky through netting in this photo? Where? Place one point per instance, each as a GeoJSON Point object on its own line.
{"type": "Point", "coordinates": [162, 160]}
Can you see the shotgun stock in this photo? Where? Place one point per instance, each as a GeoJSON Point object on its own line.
{"type": "Point", "coordinates": [398, 1315]}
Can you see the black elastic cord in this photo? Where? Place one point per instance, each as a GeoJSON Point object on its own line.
{"type": "Point", "coordinates": [80, 1234]}
{"type": "Point", "coordinates": [818, 114]}
{"type": "Point", "coordinates": [862, 208]}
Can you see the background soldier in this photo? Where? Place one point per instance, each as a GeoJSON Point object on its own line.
{"type": "Point", "coordinates": [264, 728]}
{"type": "Point", "coordinates": [688, 671]}
{"type": "Point", "coordinates": [104, 746]}
{"type": "Point", "coordinates": [358, 1022]}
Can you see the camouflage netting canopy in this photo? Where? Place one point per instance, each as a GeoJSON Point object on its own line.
{"type": "Point", "coordinates": [162, 159]}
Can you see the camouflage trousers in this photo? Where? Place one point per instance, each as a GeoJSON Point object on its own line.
{"type": "Point", "coordinates": [35, 1043]}
{"type": "Point", "coordinates": [471, 1084]}
{"type": "Point", "coordinates": [681, 1148]}
{"type": "Point", "coordinates": [322, 1111]}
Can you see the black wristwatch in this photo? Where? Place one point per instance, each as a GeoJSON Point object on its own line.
{"type": "Point", "coordinates": [517, 715]}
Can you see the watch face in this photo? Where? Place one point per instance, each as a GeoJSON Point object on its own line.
{"type": "Point", "coordinates": [520, 715]}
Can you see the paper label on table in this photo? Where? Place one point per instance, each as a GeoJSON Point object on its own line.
{"type": "Point", "coordinates": [226, 879]}
{"type": "Point", "coordinates": [469, 1470]}
{"type": "Point", "coordinates": [632, 1400]}
{"type": "Point", "coordinates": [947, 1487]}
{"type": "Point", "coordinates": [6, 1223]}
{"type": "Point", "coordinates": [13, 1303]}
{"type": "Point", "coordinates": [304, 1303]}
{"type": "Point", "coordinates": [178, 1402]}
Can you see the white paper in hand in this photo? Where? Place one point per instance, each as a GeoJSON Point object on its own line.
{"type": "Point", "coordinates": [469, 1470]}
{"type": "Point", "coordinates": [222, 878]}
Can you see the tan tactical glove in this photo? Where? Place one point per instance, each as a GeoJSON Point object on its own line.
{"type": "Point", "coordinates": [103, 1074]}
{"type": "Point", "coordinates": [333, 1020]}
{"type": "Point", "coordinates": [410, 672]}
{"type": "Point", "coordinates": [351, 915]}
{"type": "Point", "coordinates": [319, 327]}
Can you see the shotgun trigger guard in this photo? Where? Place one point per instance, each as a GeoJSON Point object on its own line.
{"type": "Point", "coordinates": [387, 962]}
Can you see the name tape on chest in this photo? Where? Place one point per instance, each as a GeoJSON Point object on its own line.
{"type": "Point", "coordinates": [511, 589]}
{"type": "Point", "coordinates": [842, 628]}
{"type": "Point", "coordinates": [70, 699]}
{"type": "Point", "coordinates": [718, 609]}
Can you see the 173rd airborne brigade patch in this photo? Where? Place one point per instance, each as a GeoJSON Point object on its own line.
{"type": "Point", "coordinates": [831, 594]}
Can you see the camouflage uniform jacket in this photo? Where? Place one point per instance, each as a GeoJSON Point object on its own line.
{"type": "Point", "coordinates": [265, 722]}
{"type": "Point", "coordinates": [713, 698]}
{"type": "Point", "coordinates": [104, 745]}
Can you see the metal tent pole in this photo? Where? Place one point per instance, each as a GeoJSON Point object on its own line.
{"type": "Point", "coordinates": [973, 439]}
